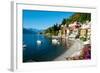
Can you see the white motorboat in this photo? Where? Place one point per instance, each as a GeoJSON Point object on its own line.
{"type": "Point", "coordinates": [54, 41]}
{"type": "Point", "coordinates": [38, 42]}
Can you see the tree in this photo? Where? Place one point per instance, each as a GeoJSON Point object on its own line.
{"type": "Point", "coordinates": [64, 21]}
{"type": "Point", "coordinates": [80, 17]}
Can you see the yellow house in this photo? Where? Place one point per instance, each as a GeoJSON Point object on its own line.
{"type": "Point", "coordinates": [85, 31]}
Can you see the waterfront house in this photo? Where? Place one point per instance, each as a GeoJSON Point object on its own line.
{"type": "Point", "coordinates": [85, 31]}
{"type": "Point", "coordinates": [74, 29]}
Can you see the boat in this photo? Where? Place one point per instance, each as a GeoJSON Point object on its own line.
{"type": "Point", "coordinates": [38, 42]}
{"type": "Point", "coordinates": [54, 41]}
{"type": "Point", "coordinates": [24, 46]}
{"type": "Point", "coordinates": [58, 43]}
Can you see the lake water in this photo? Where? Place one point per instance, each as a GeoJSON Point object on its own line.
{"type": "Point", "coordinates": [46, 51]}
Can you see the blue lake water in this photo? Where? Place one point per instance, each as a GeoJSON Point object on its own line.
{"type": "Point", "coordinates": [46, 51]}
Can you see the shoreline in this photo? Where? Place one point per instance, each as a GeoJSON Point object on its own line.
{"type": "Point", "coordinates": [76, 48]}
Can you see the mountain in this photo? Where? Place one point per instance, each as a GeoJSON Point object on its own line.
{"type": "Point", "coordinates": [31, 31]}
{"type": "Point", "coordinates": [28, 31]}
{"type": "Point", "coordinates": [36, 30]}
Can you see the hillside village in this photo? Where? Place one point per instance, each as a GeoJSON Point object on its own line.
{"type": "Point", "coordinates": [76, 30]}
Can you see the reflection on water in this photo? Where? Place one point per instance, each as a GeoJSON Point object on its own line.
{"type": "Point", "coordinates": [46, 51]}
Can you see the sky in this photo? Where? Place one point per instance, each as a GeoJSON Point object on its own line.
{"type": "Point", "coordinates": [40, 20]}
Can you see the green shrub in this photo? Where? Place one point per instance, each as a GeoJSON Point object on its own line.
{"type": "Point", "coordinates": [83, 38]}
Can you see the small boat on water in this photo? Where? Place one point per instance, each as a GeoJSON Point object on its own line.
{"type": "Point", "coordinates": [24, 46]}
{"type": "Point", "coordinates": [38, 42]}
{"type": "Point", "coordinates": [58, 43]}
{"type": "Point", "coordinates": [55, 41]}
